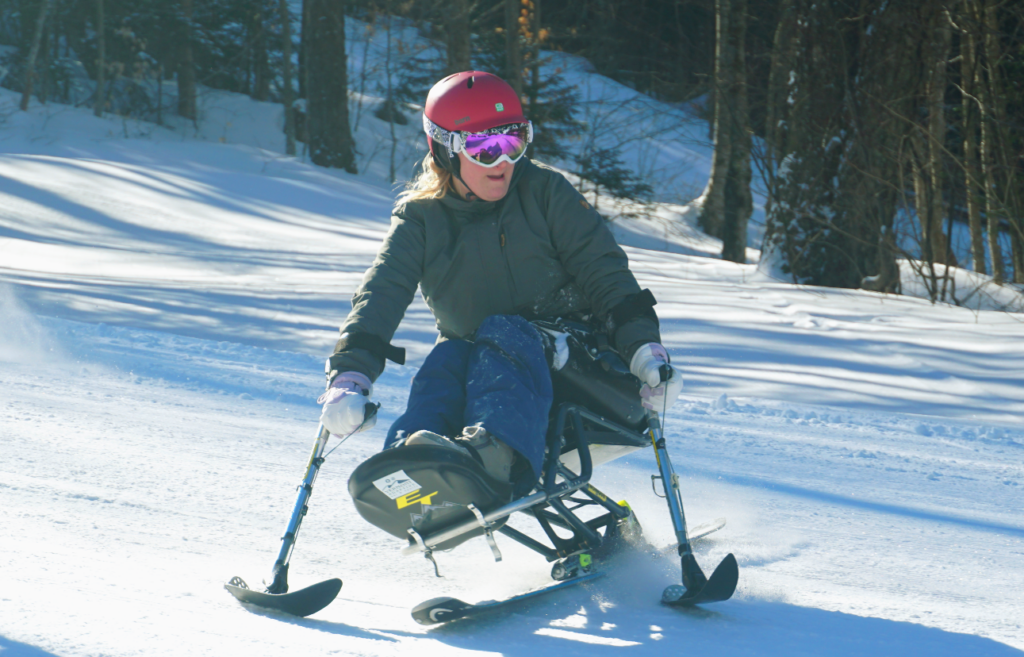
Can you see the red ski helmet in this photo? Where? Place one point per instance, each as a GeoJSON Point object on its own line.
{"type": "Point", "coordinates": [473, 101]}
{"type": "Point", "coordinates": [464, 103]}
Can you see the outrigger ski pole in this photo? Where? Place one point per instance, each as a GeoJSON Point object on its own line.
{"type": "Point", "coordinates": [276, 595]}
{"type": "Point", "coordinates": [696, 587]}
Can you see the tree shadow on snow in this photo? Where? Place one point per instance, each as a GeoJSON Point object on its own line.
{"type": "Point", "coordinates": [868, 505]}
{"type": "Point", "coordinates": [10, 648]}
{"type": "Point", "coordinates": [331, 627]}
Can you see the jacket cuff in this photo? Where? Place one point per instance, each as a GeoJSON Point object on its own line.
{"type": "Point", "coordinates": [634, 334]}
{"type": "Point", "coordinates": [354, 360]}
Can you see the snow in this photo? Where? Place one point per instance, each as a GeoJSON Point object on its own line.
{"type": "Point", "coordinates": [166, 303]}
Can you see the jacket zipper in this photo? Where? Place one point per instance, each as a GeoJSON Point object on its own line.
{"type": "Point", "coordinates": [504, 256]}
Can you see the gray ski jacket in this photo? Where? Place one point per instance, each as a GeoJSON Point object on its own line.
{"type": "Point", "coordinates": [540, 252]}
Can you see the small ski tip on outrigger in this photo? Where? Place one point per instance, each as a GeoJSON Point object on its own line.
{"type": "Point", "coordinates": [303, 603]}
{"type": "Point", "coordinates": [276, 596]}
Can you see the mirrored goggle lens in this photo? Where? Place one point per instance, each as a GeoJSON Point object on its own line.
{"type": "Point", "coordinates": [487, 149]}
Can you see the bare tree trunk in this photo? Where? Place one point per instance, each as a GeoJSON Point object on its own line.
{"type": "Point", "coordinates": [783, 49]}
{"type": "Point", "coordinates": [363, 68]}
{"type": "Point", "coordinates": [535, 54]}
{"type": "Point", "coordinates": [330, 137]}
{"type": "Point", "coordinates": [101, 64]}
{"type": "Point", "coordinates": [186, 68]}
{"type": "Point", "coordinates": [513, 53]}
{"type": "Point", "coordinates": [160, 94]}
{"type": "Point", "coordinates": [390, 104]}
{"type": "Point", "coordinates": [990, 138]}
{"type": "Point", "coordinates": [260, 63]}
{"type": "Point", "coordinates": [304, 74]}
{"type": "Point", "coordinates": [969, 78]}
{"type": "Point", "coordinates": [710, 219]}
{"type": "Point", "coordinates": [1017, 244]}
{"type": "Point", "coordinates": [33, 52]}
{"type": "Point", "coordinates": [286, 73]}
{"type": "Point", "coordinates": [738, 203]}
{"type": "Point", "coordinates": [727, 201]}
{"type": "Point", "coordinates": [991, 203]}
{"type": "Point", "coordinates": [45, 77]}
{"type": "Point", "coordinates": [936, 58]}
{"type": "Point", "coordinates": [458, 36]}
{"type": "Point", "coordinates": [303, 68]}
{"type": "Point", "coordinates": [929, 138]}
{"type": "Point", "coordinates": [922, 201]}
{"type": "Point", "coordinates": [1004, 185]}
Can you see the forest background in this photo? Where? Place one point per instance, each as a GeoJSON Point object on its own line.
{"type": "Point", "coordinates": [877, 131]}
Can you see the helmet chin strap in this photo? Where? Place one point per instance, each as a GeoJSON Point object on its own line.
{"type": "Point", "coordinates": [447, 164]}
{"type": "Point", "coordinates": [470, 194]}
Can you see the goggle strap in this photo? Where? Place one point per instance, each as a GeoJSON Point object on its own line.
{"type": "Point", "coordinates": [440, 135]}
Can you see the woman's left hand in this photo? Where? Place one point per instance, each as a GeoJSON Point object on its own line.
{"type": "Point", "coordinates": [345, 405]}
{"type": "Point", "coordinates": [648, 364]}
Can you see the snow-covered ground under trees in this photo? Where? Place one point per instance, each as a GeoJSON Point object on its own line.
{"type": "Point", "coordinates": [166, 304]}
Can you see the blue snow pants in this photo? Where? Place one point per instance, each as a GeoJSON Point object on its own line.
{"type": "Point", "coordinates": [500, 381]}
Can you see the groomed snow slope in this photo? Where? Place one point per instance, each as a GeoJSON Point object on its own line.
{"type": "Point", "coordinates": [166, 308]}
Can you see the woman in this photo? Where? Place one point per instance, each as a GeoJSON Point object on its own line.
{"type": "Point", "coordinates": [492, 240]}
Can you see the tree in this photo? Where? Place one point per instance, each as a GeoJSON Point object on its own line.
{"type": "Point", "coordinates": [286, 73]}
{"type": "Point", "coordinates": [37, 37]}
{"type": "Point", "coordinates": [970, 81]}
{"type": "Point", "coordinates": [513, 48]}
{"type": "Point", "coordinates": [330, 138]}
{"type": "Point", "coordinates": [101, 63]}
{"type": "Point", "coordinates": [258, 55]}
{"type": "Point", "coordinates": [992, 140]}
{"type": "Point", "coordinates": [457, 35]}
{"type": "Point", "coordinates": [837, 125]}
{"type": "Point", "coordinates": [186, 67]}
{"type": "Point", "coordinates": [727, 200]}
{"type": "Point", "coordinates": [930, 139]}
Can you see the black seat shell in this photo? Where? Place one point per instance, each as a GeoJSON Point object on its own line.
{"type": "Point", "coordinates": [446, 481]}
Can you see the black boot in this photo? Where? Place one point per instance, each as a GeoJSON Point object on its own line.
{"type": "Point", "coordinates": [495, 456]}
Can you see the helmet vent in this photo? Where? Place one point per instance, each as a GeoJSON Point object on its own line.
{"type": "Point", "coordinates": [469, 83]}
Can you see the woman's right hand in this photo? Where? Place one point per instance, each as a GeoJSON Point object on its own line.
{"type": "Point", "coordinates": [647, 365]}
{"type": "Point", "coordinates": [344, 404]}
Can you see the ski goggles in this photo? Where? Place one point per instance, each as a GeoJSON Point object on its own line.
{"type": "Point", "coordinates": [506, 143]}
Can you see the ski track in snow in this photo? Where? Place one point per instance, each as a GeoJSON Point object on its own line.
{"type": "Point", "coordinates": [165, 307]}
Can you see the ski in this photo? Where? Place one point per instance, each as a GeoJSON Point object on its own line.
{"type": "Point", "coordinates": [443, 610]}
{"type": "Point", "coordinates": [700, 531]}
{"type": "Point", "coordinates": [297, 603]}
{"type": "Point", "coordinates": [694, 535]}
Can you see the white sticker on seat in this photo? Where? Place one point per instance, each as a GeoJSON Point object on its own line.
{"type": "Point", "coordinates": [396, 484]}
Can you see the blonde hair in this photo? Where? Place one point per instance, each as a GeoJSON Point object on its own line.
{"type": "Point", "coordinates": [432, 182]}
